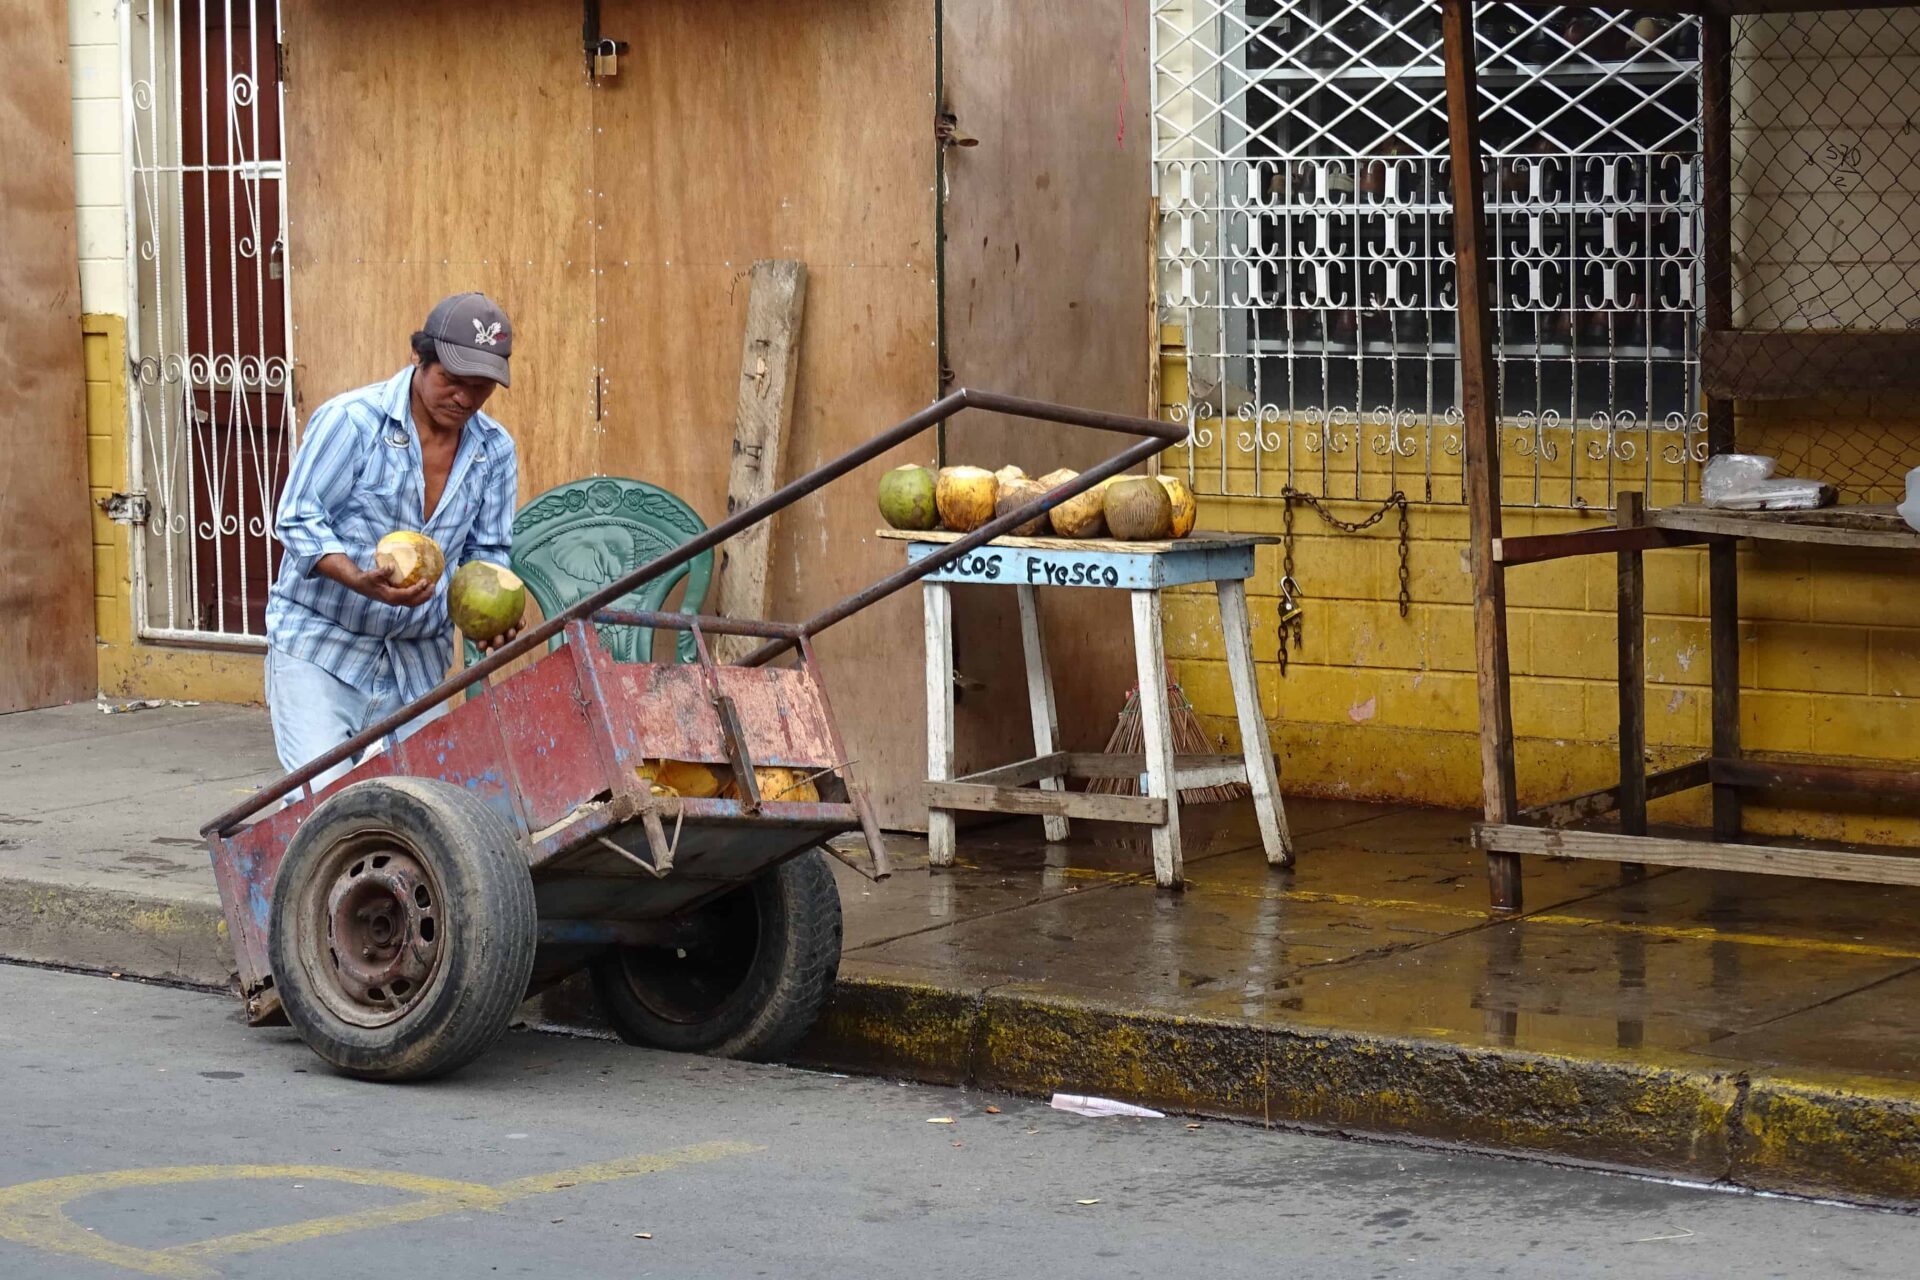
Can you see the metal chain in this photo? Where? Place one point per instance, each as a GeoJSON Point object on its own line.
{"type": "Point", "coordinates": [1291, 622]}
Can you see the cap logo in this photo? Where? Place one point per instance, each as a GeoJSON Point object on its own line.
{"type": "Point", "coordinates": [486, 335]}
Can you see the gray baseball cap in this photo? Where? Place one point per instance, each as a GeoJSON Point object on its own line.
{"type": "Point", "coordinates": [472, 336]}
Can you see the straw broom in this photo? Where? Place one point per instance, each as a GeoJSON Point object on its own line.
{"type": "Point", "coordinates": [1189, 739]}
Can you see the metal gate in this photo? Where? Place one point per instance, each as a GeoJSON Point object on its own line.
{"type": "Point", "coordinates": [209, 337]}
{"type": "Point", "coordinates": [1305, 251]}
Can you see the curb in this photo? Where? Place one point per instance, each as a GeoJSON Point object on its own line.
{"type": "Point", "coordinates": [1856, 1140]}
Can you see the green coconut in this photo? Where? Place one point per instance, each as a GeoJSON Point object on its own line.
{"type": "Point", "coordinates": [486, 600]}
{"type": "Point", "coordinates": [906, 498]}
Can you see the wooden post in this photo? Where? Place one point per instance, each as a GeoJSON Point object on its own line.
{"type": "Point", "coordinates": [1723, 581]}
{"type": "Point", "coordinates": [1630, 509]}
{"type": "Point", "coordinates": [1046, 721]}
{"type": "Point", "coordinates": [1254, 746]}
{"type": "Point", "coordinates": [769, 359]}
{"type": "Point", "coordinates": [1156, 733]}
{"type": "Point", "coordinates": [1480, 427]}
{"type": "Point", "coordinates": [939, 607]}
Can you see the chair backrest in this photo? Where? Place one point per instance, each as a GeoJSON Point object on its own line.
{"type": "Point", "coordinates": [573, 540]}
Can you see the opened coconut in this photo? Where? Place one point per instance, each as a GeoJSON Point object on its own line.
{"type": "Point", "coordinates": [408, 557]}
{"type": "Point", "coordinates": [486, 600]}
{"type": "Point", "coordinates": [1008, 474]}
{"type": "Point", "coordinates": [1084, 515]}
{"type": "Point", "coordinates": [1016, 495]}
{"type": "Point", "coordinates": [964, 496]}
{"type": "Point", "coordinates": [1138, 509]}
{"type": "Point", "coordinates": [1185, 509]}
{"type": "Point", "coordinates": [906, 498]}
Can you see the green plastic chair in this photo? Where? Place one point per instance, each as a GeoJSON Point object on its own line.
{"type": "Point", "coordinates": [573, 540]}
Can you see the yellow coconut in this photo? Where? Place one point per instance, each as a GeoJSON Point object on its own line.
{"type": "Point", "coordinates": [1138, 509]}
{"type": "Point", "coordinates": [778, 786]}
{"type": "Point", "coordinates": [1019, 494]}
{"type": "Point", "coordinates": [686, 778]}
{"type": "Point", "coordinates": [1008, 474]}
{"type": "Point", "coordinates": [408, 557]}
{"type": "Point", "coordinates": [1083, 516]}
{"type": "Point", "coordinates": [1186, 510]}
{"type": "Point", "coordinates": [964, 496]}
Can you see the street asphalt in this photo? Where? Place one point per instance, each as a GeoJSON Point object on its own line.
{"type": "Point", "coordinates": [146, 1131]}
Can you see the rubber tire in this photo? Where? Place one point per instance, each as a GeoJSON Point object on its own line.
{"type": "Point", "coordinates": [781, 995]}
{"type": "Point", "coordinates": [488, 912]}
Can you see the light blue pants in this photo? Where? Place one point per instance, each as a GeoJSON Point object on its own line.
{"type": "Point", "coordinates": [315, 711]}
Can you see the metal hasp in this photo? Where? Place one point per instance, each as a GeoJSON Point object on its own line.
{"type": "Point", "coordinates": [556, 748]}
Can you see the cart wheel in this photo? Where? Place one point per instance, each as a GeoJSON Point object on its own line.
{"type": "Point", "coordinates": [754, 989]}
{"type": "Point", "coordinates": [402, 930]}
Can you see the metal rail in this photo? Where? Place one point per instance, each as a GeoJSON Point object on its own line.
{"type": "Point", "coordinates": [1157, 436]}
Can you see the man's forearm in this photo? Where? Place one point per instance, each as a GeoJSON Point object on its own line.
{"type": "Point", "coordinates": [342, 570]}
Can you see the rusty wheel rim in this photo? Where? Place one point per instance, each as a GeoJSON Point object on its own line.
{"type": "Point", "coordinates": [374, 929]}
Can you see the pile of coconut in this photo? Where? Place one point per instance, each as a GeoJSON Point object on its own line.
{"type": "Point", "coordinates": [961, 499]}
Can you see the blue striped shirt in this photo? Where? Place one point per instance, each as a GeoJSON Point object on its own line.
{"type": "Point", "coordinates": [357, 477]}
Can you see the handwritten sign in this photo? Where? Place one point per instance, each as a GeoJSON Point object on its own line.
{"type": "Point", "coordinates": [1109, 570]}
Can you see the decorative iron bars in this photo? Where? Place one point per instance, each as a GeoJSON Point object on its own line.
{"type": "Point", "coordinates": [209, 347]}
{"type": "Point", "coordinates": [1825, 235]}
{"type": "Point", "coordinates": [1306, 246]}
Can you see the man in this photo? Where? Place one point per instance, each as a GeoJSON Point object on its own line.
{"type": "Point", "coordinates": [346, 646]}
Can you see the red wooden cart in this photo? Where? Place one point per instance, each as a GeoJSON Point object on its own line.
{"type": "Point", "coordinates": [398, 915]}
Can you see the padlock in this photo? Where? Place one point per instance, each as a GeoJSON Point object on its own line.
{"type": "Point", "coordinates": [606, 59]}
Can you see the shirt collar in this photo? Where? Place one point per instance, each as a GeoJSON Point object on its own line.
{"type": "Point", "coordinates": [398, 400]}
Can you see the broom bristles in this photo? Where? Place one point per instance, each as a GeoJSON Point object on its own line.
{"type": "Point", "coordinates": [1189, 739]}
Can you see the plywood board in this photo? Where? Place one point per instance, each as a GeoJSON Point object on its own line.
{"type": "Point", "coordinates": [739, 130]}
{"type": "Point", "coordinates": [430, 153]}
{"type": "Point", "coordinates": [46, 541]}
{"type": "Point", "coordinates": [1047, 292]}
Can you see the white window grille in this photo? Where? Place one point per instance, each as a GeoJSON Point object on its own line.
{"type": "Point", "coordinates": [209, 338]}
{"type": "Point", "coordinates": [1306, 234]}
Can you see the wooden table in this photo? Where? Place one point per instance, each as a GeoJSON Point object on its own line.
{"type": "Point", "coordinates": [1560, 828]}
{"type": "Point", "coordinates": [1038, 785]}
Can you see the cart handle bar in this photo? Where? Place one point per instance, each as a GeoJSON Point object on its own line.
{"type": "Point", "coordinates": [1157, 437]}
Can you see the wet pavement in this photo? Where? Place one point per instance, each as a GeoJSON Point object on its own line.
{"type": "Point", "coordinates": [1759, 1030]}
{"type": "Point", "coordinates": [1382, 927]}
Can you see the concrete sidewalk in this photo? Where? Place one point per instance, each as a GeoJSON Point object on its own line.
{"type": "Point", "coordinates": [1760, 1031]}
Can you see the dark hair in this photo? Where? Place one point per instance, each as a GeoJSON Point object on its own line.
{"type": "Point", "coordinates": [423, 348]}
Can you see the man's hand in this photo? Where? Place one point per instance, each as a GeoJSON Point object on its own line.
{"type": "Point", "coordinates": [500, 641]}
{"type": "Point", "coordinates": [374, 583]}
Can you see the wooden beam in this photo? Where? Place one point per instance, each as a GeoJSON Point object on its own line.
{"type": "Point", "coordinates": [1595, 804]}
{"type": "Point", "coordinates": [1875, 525]}
{"type": "Point", "coordinates": [763, 411]}
{"type": "Point", "coordinates": [1667, 851]}
{"type": "Point", "coordinates": [1143, 810]}
{"type": "Point", "coordinates": [1480, 429]}
{"type": "Point", "coordinates": [1827, 779]}
{"type": "Point", "coordinates": [1533, 548]}
{"type": "Point", "coordinates": [1055, 764]}
{"type": "Point", "coordinates": [1785, 364]}
{"type": "Point", "coordinates": [1124, 764]}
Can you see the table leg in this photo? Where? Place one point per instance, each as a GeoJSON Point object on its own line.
{"type": "Point", "coordinates": [1258, 751]}
{"type": "Point", "coordinates": [1046, 721]}
{"type": "Point", "coordinates": [1723, 643]}
{"type": "Point", "coordinates": [1631, 592]}
{"type": "Point", "coordinates": [1156, 729]}
{"type": "Point", "coordinates": [939, 608]}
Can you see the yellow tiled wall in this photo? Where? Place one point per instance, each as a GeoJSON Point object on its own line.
{"type": "Point", "coordinates": [1379, 707]}
{"type": "Point", "coordinates": [129, 669]}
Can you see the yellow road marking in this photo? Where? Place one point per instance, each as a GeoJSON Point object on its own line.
{"type": "Point", "coordinates": [34, 1213]}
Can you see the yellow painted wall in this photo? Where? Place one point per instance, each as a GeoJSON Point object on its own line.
{"type": "Point", "coordinates": [129, 669]}
{"type": "Point", "coordinates": [1379, 707]}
